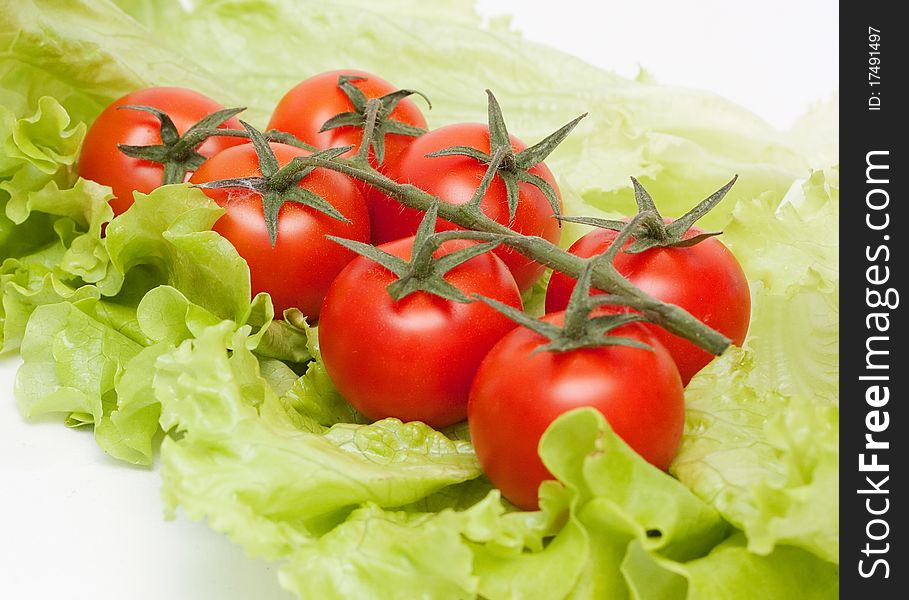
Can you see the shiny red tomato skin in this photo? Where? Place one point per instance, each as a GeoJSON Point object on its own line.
{"type": "Point", "coordinates": [517, 394]}
{"type": "Point", "coordinates": [454, 179]}
{"type": "Point", "coordinates": [100, 160]}
{"type": "Point", "coordinates": [297, 271]}
{"type": "Point", "coordinates": [308, 105]}
{"type": "Point", "coordinates": [413, 359]}
{"type": "Point", "coordinates": [705, 279]}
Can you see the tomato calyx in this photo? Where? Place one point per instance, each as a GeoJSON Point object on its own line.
{"type": "Point", "coordinates": [579, 329]}
{"type": "Point", "coordinates": [177, 153]}
{"type": "Point", "coordinates": [514, 167]}
{"type": "Point", "coordinates": [278, 185]}
{"type": "Point", "coordinates": [653, 231]}
{"type": "Point", "coordinates": [381, 121]}
{"type": "Point", "coordinates": [424, 272]}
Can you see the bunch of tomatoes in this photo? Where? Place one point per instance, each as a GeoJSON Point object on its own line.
{"type": "Point", "coordinates": [424, 356]}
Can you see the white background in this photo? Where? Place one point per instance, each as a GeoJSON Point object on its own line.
{"type": "Point", "coordinates": [775, 57]}
{"type": "Point", "coordinates": [76, 524]}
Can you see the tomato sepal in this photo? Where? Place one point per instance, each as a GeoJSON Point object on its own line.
{"type": "Point", "coordinates": [376, 124]}
{"type": "Point", "coordinates": [175, 152]}
{"type": "Point", "coordinates": [278, 185]}
{"type": "Point", "coordinates": [423, 272]}
{"type": "Point", "coordinates": [514, 167]}
{"type": "Point", "coordinates": [654, 232]}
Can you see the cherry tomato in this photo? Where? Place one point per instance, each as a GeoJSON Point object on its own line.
{"type": "Point", "coordinates": [101, 160]}
{"type": "Point", "coordinates": [415, 358]}
{"type": "Point", "coordinates": [297, 271]}
{"type": "Point", "coordinates": [454, 179]}
{"type": "Point", "coordinates": [307, 106]}
{"type": "Point", "coordinates": [518, 393]}
{"type": "Point", "coordinates": [704, 279]}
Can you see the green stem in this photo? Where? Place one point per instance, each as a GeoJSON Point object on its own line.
{"type": "Point", "coordinates": [274, 135]}
{"type": "Point", "coordinates": [654, 226]}
{"type": "Point", "coordinates": [604, 276]}
{"type": "Point", "coordinates": [373, 107]}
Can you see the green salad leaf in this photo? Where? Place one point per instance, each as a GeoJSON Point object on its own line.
{"type": "Point", "coordinates": [301, 478]}
{"type": "Point", "coordinates": [730, 571]}
{"type": "Point", "coordinates": [50, 245]}
{"type": "Point", "coordinates": [763, 422]}
{"type": "Point", "coordinates": [287, 487]}
{"type": "Point", "coordinates": [90, 357]}
{"type": "Point", "coordinates": [146, 330]}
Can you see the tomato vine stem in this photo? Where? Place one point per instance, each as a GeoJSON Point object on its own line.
{"type": "Point", "coordinates": [479, 227]}
{"type": "Point", "coordinates": [272, 135]}
{"type": "Point", "coordinates": [604, 275]}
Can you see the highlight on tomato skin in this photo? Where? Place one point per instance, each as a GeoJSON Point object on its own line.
{"type": "Point", "coordinates": [704, 279]}
{"type": "Point", "coordinates": [454, 179]}
{"type": "Point", "coordinates": [415, 358]}
{"type": "Point", "coordinates": [102, 161]}
{"type": "Point", "coordinates": [518, 393]}
{"type": "Point", "coordinates": [298, 269]}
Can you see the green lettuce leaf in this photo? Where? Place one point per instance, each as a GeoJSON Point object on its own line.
{"type": "Point", "coordinates": [72, 356]}
{"type": "Point", "coordinates": [762, 423]}
{"type": "Point", "coordinates": [731, 572]}
{"type": "Point", "coordinates": [26, 286]}
{"type": "Point", "coordinates": [85, 54]}
{"type": "Point", "coordinates": [167, 236]}
{"type": "Point", "coordinates": [385, 555]}
{"type": "Point", "coordinates": [88, 352]}
{"type": "Point", "coordinates": [36, 146]}
{"type": "Point", "coordinates": [619, 497]}
{"type": "Point", "coordinates": [271, 476]}
{"type": "Point", "coordinates": [790, 252]}
{"type": "Point", "coordinates": [314, 394]}
{"type": "Point", "coordinates": [339, 505]}
{"type": "Point", "coordinates": [50, 242]}
{"type": "Point", "coordinates": [816, 133]}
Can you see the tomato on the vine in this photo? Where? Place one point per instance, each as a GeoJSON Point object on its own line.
{"type": "Point", "coordinates": [413, 358]}
{"type": "Point", "coordinates": [454, 179]}
{"type": "Point", "coordinates": [102, 161]}
{"type": "Point", "coordinates": [311, 103]}
{"type": "Point", "coordinates": [705, 279]}
{"type": "Point", "coordinates": [518, 393]}
{"type": "Point", "coordinates": [298, 269]}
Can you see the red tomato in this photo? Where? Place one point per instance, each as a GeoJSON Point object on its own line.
{"type": "Point", "coordinates": [101, 160]}
{"type": "Point", "coordinates": [415, 358]}
{"type": "Point", "coordinates": [297, 271]}
{"type": "Point", "coordinates": [306, 107]}
{"type": "Point", "coordinates": [704, 279]}
{"type": "Point", "coordinates": [454, 179]}
{"type": "Point", "coordinates": [517, 394]}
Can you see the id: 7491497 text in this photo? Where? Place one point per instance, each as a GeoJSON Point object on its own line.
{"type": "Point", "coordinates": [874, 68]}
